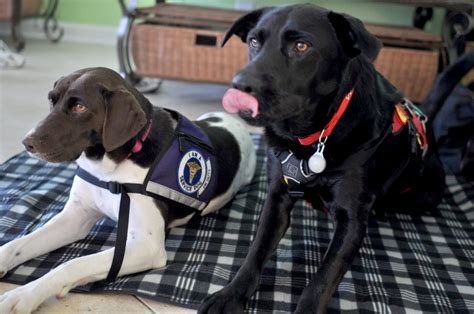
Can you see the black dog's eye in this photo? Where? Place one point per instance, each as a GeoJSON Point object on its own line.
{"type": "Point", "coordinates": [78, 108]}
{"type": "Point", "coordinates": [301, 46]}
{"type": "Point", "coordinates": [253, 42]}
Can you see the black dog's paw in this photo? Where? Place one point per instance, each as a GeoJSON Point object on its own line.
{"type": "Point", "coordinates": [223, 301]}
{"type": "Point", "coordinates": [310, 305]}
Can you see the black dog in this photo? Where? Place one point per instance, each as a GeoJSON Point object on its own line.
{"type": "Point", "coordinates": [339, 135]}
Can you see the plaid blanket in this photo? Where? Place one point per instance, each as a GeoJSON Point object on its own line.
{"type": "Point", "coordinates": [407, 263]}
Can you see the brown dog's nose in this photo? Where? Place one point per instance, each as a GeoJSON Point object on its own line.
{"type": "Point", "coordinates": [28, 142]}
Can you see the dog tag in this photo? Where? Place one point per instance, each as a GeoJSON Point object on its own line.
{"type": "Point", "coordinates": [317, 162]}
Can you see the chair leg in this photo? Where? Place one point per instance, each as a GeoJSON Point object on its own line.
{"type": "Point", "coordinates": [17, 37]}
{"type": "Point", "coordinates": [53, 32]}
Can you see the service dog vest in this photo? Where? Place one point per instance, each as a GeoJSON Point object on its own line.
{"type": "Point", "coordinates": [185, 172]}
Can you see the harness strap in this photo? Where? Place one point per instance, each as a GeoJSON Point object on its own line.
{"type": "Point", "coordinates": [121, 239]}
{"type": "Point", "coordinates": [296, 173]}
{"type": "Point", "coordinates": [123, 217]}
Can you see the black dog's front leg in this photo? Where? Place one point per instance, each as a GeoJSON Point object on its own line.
{"type": "Point", "coordinates": [350, 217]}
{"type": "Point", "coordinates": [273, 223]}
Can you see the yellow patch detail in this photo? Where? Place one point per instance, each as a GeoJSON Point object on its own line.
{"type": "Point", "coordinates": [401, 114]}
{"type": "Point", "coordinates": [418, 138]}
{"type": "Point", "coordinates": [194, 167]}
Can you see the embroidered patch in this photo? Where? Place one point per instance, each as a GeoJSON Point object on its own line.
{"type": "Point", "coordinates": [194, 173]}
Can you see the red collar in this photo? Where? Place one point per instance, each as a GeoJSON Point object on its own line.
{"type": "Point", "coordinates": [139, 143]}
{"type": "Point", "coordinates": [317, 136]}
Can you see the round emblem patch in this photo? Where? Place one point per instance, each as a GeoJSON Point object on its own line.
{"type": "Point", "coordinates": [193, 173]}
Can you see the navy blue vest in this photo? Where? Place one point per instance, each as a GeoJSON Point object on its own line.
{"type": "Point", "coordinates": [185, 172]}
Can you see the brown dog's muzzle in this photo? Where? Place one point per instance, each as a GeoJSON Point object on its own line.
{"type": "Point", "coordinates": [56, 140]}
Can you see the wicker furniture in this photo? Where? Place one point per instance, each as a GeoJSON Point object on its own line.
{"type": "Point", "coordinates": [15, 10]}
{"type": "Point", "coordinates": [178, 42]}
{"type": "Point", "coordinates": [410, 58]}
{"type": "Point", "coordinates": [183, 42]}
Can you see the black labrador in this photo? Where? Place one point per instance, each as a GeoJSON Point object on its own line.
{"type": "Point", "coordinates": [339, 135]}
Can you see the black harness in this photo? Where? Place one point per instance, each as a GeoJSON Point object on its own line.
{"type": "Point", "coordinates": [297, 173]}
{"type": "Point", "coordinates": [124, 211]}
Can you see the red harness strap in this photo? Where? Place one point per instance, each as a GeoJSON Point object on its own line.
{"type": "Point", "coordinates": [405, 113]}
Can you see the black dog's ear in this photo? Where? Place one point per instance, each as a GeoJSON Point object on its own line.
{"type": "Point", "coordinates": [354, 37]}
{"type": "Point", "coordinates": [244, 24]}
{"type": "Point", "coordinates": [124, 117]}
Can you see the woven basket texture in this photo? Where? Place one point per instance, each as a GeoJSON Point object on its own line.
{"type": "Point", "coordinates": [28, 8]}
{"type": "Point", "coordinates": [166, 44]}
{"type": "Point", "coordinates": [412, 71]}
{"type": "Point", "coordinates": [172, 53]}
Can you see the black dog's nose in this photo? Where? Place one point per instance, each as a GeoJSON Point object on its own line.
{"type": "Point", "coordinates": [245, 82]}
{"type": "Point", "coordinates": [28, 142]}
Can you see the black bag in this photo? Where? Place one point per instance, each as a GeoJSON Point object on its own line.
{"type": "Point", "coordinates": [454, 132]}
{"type": "Point", "coordinates": [450, 107]}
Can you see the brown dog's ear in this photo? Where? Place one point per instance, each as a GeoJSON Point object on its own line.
{"type": "Point", "coordinates": [124, 118]}
{"type": "Point", "coordinates": [354, 37]}
{"type": "Point", "coordinates": [244, 24]}
{"type": "Point", "coordinates": [57, 81]}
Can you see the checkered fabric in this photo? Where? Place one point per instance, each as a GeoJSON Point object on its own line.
{"type": "Point", "coordinates": [407, 263]}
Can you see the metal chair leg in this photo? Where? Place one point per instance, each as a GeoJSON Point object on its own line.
{"type": "Point", "coordinates": [51, 28]}
{"type": "Point", "coordinates": [17, 37]}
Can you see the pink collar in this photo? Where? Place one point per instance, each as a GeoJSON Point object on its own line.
{"type": "Point", "coordinates": [139, 143]}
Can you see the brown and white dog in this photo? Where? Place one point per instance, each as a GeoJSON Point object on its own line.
{"type": "Point", "coordinates": [97, 118]}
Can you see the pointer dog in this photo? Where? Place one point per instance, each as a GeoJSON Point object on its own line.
{"type": "Point", "coordinates": [116, 135]}
{"type": "Point", "coordinates": [339, 135]}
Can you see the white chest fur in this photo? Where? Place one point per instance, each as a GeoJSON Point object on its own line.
{"type": "Point", "coordinates": [108, 170]}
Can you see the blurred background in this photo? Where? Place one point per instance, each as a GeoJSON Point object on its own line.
{"type": "Point", "coordinates": [171, 51]}
{"type": "Point", "coordinates": [42, 40]}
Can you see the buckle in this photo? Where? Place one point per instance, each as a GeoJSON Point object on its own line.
{"type": "Point", "coordinates": [114, 187]}
{"type": "Point", "coordinates": [296, 194]}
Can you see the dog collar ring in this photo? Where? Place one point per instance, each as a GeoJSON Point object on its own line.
{"type": "Point", "coordinates": [321, 138]}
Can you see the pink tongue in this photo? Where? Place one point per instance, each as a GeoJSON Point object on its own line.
{"type": "Point", "coordinates": [235, 101]}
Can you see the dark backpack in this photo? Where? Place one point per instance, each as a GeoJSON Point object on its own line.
{"type": "Point", "coordinates": [450, 107]}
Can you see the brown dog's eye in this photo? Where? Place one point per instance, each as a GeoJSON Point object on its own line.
{"type": "Point", "coordinates": [253, 42]}
{"type": "Point", "coordinates": [78, 108]}
{"type": "Point", "coordinates": [301, 46]}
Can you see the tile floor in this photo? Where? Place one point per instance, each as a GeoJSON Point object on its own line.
{"type": "Point", "coordinates": [23, 102]}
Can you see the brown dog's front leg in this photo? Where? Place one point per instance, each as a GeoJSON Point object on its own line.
{"type": "Point", "coordinates": [350, 228]}
{"type": "Point", "coordinates": [273, 223]}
